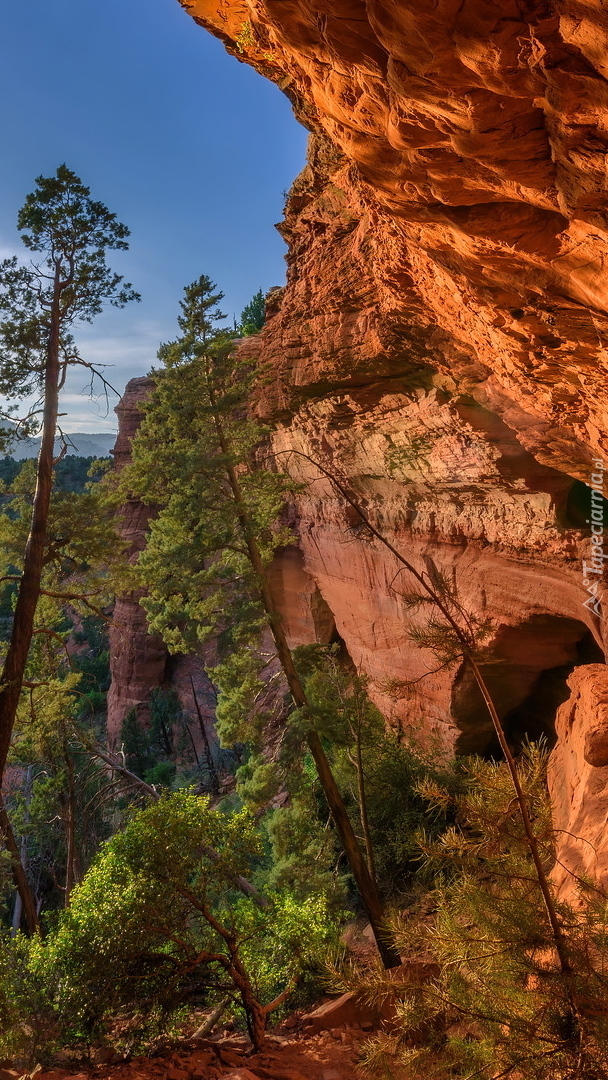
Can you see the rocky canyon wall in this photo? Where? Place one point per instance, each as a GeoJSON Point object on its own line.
{"type": "Point", "coordinates": [440, 344]}
{"type": "Point", "coordinates": [473, 140]}
{"type": "Point", "coordinates": [139, 661]}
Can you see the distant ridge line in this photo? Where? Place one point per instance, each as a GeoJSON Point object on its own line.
{"type": "Point", "coordinates": [81, 444]}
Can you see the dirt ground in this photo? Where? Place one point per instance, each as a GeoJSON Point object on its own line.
{"type": "Point", "coordinates": [328, 1055]}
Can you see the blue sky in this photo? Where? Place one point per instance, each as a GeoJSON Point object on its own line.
{"type": "Point", "coordinates": [190, 148]}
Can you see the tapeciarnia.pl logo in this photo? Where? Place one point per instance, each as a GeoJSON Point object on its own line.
{"type": "Point", "coordinates": [593, 571]}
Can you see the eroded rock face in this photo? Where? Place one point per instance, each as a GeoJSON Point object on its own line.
{"type": "Point", "coordinates": [449, 487]}
{"type": "Point", "coordinates": [471, 181]}
{"type": "Point", "coordinates": [137, 659]}
{"type": "Point", "coordinates": [439, 346]}
{"type": "Point", "coordinates": [578, 781]}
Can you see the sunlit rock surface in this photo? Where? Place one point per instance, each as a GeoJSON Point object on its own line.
{"type": "Point", "coordinates": [473, 140]}
{"type": "Point", "coordinates": [578, 781]}
{"type": "Point", "coordinates": [439, 345]}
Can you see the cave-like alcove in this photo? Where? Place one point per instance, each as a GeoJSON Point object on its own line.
{"type": "Point", "coordinates": [577, 512]}
{"type": "Point", "coordinates": [527, 678]}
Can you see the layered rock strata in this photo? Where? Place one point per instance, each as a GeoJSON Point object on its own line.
{"type": "Point", "coordinates": [139, 661]}
{"type": "Point", "coordinates": [439, 346]}
{"type": "Point", "coordinates": [472, 142]}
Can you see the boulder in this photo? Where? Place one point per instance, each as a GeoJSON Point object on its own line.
{"type": "Point", "coordinates": [345, 1011]}
{"type": "Point", "coordinates": [350, 1010]}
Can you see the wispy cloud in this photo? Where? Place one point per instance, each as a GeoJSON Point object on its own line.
{"type": "Point", "coordinates": [7, 251]}
{"type": "Point", "coordinates": [122, 355]}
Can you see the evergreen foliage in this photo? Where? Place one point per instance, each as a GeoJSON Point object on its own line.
{"type": "Point", "coordinates": [72, 473]}
{"type": "Point", "coordinates": [60, 811]}
{"type": "Point", "coordinates": [149, 749]}
{"type": "Point", "coordinates": [70, 284]}
{"type": "Point", "coordinates": [253, 315]}
{"type": "Point", "coordinates": [378, 772]}
{"type": "Point", "coordinates": [500, 1006]}
{"type": "Point", "coordinates": [204, 569]}
{"type": "Point", "coordinates": [158, 923]}
{"type": "Point", "coordinates": [41, 303]}
{"type": "Point", "coordinates": [82, 546]}
{"type": "Point", "coordinates": [195, 568]}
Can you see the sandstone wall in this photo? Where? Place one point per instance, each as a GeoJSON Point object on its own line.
{"type": "Point", "coordinates": [440, 344]}
{"type": "Point", "coordinates": [578, 781]}
{"type": "Point", "coordinates": [137, 659]}
{"type": "Point", "coordinates": [474, 140]}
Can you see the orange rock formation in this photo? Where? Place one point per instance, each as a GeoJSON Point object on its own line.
{"type": "Point", "coordinates": [472, 180]}
{"type": "Point", "coordinates": [440, 344]}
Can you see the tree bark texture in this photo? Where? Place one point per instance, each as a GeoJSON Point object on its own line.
{"type": "Point", "coordinates": [366, 884]}
{"type": "Point", "coordinates": [13, 671]}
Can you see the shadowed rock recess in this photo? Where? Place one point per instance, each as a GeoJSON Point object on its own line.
{"type": "Point", "coordinates": [440, 344]}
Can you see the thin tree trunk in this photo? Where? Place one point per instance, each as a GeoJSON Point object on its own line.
{"type": "Point", "coordinates": [366, 884]}
{"type": "Point", "coordinates": [70, 829]}
{"type": "Point", "coordinates": [209, 1023]}
{"type": "Point", "coordinates": [19, 875]}
{"type": "Point", "coordinates": [18, 909]}
{"type": "Point", "coordinates": [469, 658]}
{"type": "Point", "coordinates": [13, 672]}
{"type": "Point", "coordinates": [255, 1013]}
{"type": "Point", "coordinates": [215, 781]}
{"type": "Point", "coordinates": [164, 734]}
{"type": "Point", "coordinates": [367, 835]}
{"type": "Point", "coordinates": [192, 744]}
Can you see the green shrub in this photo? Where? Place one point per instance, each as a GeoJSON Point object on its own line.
{"type": "Point", "coordinates": [158, 923]}
{"type": "Point", "coordinates": [29, 1022]}
{"type": "Point", "coordinates": [377, 770]}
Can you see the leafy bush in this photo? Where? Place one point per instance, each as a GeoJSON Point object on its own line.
{"type": "Point", "coordinates": [29, 1023]}
{"type": "Point", "coordinates": [158, 922]}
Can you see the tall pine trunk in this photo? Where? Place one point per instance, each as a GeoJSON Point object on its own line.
{"type": "Point", "coordinates": [366, 884]}
{"type": "Point", "coordinates": [13, 671]}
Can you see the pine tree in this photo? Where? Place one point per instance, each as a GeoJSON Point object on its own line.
{"type": "Point", "coordinates": [499, 1005]}
{"type": "Point", "coordinates": [253, 315]}
{"type": "Point", "coordinates": [81, 549]}
{"type": "Point", "coordinates": [197, 458]}
{"type": "Point", "coordinates": [41, 303]}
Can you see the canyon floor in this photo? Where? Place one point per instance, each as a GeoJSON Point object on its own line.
{"type": "Point", "coordinates": [294, 1055]}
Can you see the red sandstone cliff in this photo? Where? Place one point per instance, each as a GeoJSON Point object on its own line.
{"type": "Point", "coordinates": [137, 659]}
{"type": "Point", "coordinates": [440, 342]}
{"type": "Point", "coordinates": [472, 186]}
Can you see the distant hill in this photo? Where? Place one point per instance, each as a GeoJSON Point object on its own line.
{"type": "Point", "coordinates": [84, 444]}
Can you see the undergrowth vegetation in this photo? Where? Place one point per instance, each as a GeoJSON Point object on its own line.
{"type": "Point", "coordinates": [159, 922]}
{"type": "Point", "coordinates": [167, 877]}
{"type": "Point", "coordinates": [496, 1003]}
